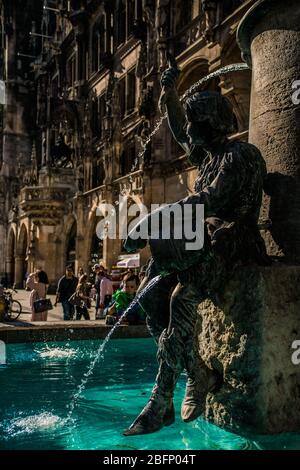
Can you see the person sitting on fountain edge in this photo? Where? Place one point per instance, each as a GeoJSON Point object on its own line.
{"type": "Point", "coordinates": [229, 185]}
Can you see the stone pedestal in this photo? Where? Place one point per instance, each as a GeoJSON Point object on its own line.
{"type": "Point", "coordinates": [269, 37]}
{"type": "Point", "coordinates": [248, 338]}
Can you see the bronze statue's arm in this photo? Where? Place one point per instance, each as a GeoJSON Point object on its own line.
{"type": "Point", "coordinates": [169, 102]}
{"type": "Point", "coordinates": [176, 118]}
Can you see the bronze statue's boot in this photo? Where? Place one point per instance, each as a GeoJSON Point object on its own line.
{"type": "Point", "coordinates": [199, 384]}
{"type": "Point", "coordinates": [159, 410]}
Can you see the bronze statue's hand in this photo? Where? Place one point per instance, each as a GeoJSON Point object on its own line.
{"type": "Point", "coordinates": [135, 240]}
{"type": "Point", "coordinates": [132, 245]}
{"type": "Point", "coordinates": [168, 83]}
{"type": "Point", "coordinates": [192, 199]}
{"type": "Point", "coordinates": [169, 77]}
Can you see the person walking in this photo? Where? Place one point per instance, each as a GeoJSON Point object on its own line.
{"type": "Point", "coordinates": [81, 272]}
{"type": "Point", "coordinates": [106, 292]}
{"type": "Point", "coordinates": [66, 287]}
{"type": "Point", "coordinates": [99, 273]}
{"type": "Point", "coordinates": [38, 283]}
{"type": "Point", "coordinates": [82, 291]}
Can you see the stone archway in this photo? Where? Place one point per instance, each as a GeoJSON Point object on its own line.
{"type": "Point", "coordinates": [10, 258]}
{"type": "Point", "coordinates": [193, 71]}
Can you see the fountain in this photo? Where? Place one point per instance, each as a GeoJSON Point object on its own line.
{"type": "Point", "coordinates": [256, 322]}
{"type": "Point", "coordinates": [151, 285]}
{"type": "Point", "coordinates": [254, 354]}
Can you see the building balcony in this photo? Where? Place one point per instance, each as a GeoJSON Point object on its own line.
{"type": "Point", "coordinates": [189, 35]}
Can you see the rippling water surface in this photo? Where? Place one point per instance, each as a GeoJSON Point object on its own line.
{"type": "Point", "coordinates": [39, 382]}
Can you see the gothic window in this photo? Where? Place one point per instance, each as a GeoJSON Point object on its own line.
{"type": "Point", "coordinates": [127, 93]}
{"type": "Point", "coordinates": [182, 12]}
{"type": "Point", "coordinates": [98, 44]}
{"type": "Point", "coordinates": [131, 92]}
{"type": "Point", "coordinates": [98, 113]}
{"type": "Point", "coordinates": [127, 160]}
{"type": "Point", "coordinates": [125, 19]}
{"type": "Point", "coordinates": [110, 34]}
{"type": "Point", "coordinates": [121, 21]}
{"type": "Point", "coordinates": [98, 173]}
{"type": "Point", "coordinates": [130, 17]}
{"type": "Point", "coordinates": [102, 111]}
{"type": "Point", "coordinates": [122, 97]}
{"type": "Point", "coordinates": [95, 118]}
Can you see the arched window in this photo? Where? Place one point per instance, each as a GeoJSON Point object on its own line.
{"type": "Point", "coordinates": [98, 173]}
{"type": "Point", "coordinates": [127, 160]}
{"type": "Point", "coordinates": [126, 16]}
{"type": "Point", "coordinates": [98, 113]}
{"type": "Point", "coordinates": [121, 21]}
{"type": "Point", "coordinates": [183, 13]}
{"type": "Point", "coordinates": [127, 93]}
{"type": "Point", "coordinates": [98, 43]}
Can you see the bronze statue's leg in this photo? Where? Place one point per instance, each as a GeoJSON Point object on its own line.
{"type": "Point", "coordinates": [159, 411]}
{"type": "Point", "coordinates": [201, 379]}
{"type": "Point", "coordinates": [176, 352]}
{"type": "Point", "coordinates": [157, 304]}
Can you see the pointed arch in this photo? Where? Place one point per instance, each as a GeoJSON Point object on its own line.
{"type": "Point", "coordinates": [193, 71]}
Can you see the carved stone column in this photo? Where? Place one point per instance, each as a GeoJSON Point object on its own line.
{"type": "Point", "coordinates": [269, 37]}
{"type": "Point", "coordinates": [19, 271]}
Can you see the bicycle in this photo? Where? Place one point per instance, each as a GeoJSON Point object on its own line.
{"type": "Point", "coordinates": [12, 308]}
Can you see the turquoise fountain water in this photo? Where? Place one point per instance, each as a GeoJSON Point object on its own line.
{"type": "Point", "coordinates": [39, 382]}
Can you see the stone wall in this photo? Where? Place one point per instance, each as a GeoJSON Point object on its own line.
{"type": "Point", "coordinates": [247, 336]}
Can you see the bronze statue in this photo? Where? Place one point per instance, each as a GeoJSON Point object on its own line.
{"type": "Point", "coordinates": [229, 185]}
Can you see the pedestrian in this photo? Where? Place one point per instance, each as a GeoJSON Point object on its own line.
{"type": "Point", "coordinates": [82, 292]}
{"type": "Point", "coordinates": [106, 292]}
{"type": "Point", "coordinates": [99, 272]}
{"type": "Point", "coordinates": [66, 287]}
{"type": "Point", "coordinates": [38, 283]}
{"type": "Point", "coordinates": [81, 272]}
{"type": "Point", "coordinates": [25, 279]}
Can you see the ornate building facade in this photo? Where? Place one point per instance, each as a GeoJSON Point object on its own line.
{"type": "Point", "coordinates": [82, 87]}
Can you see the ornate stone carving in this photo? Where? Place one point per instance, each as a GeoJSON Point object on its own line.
{"type": "Point", "coordinates": [210, 9]}
{"type": "Point", "coordinates": [61, 154]}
